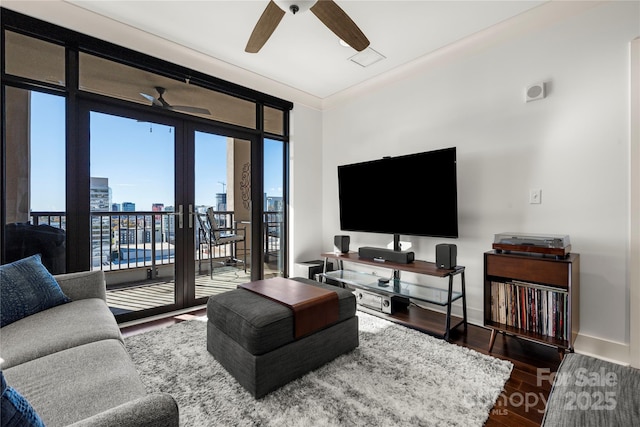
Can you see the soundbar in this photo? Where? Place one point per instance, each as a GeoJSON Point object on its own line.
{"type": "Point", "coordinates": [383, 254]}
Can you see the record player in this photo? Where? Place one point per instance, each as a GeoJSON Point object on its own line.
{"type": "Point", "coordinates": [545, 244]}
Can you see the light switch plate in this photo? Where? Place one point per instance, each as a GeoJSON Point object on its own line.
{"type": "Point", "coordinates": [535, 196]}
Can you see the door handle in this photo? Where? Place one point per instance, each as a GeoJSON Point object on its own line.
{"type": "Point", "coordinates": [191, 214]}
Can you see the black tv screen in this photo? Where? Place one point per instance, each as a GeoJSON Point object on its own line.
{"type": "Point", "coordinates": [414, 194]}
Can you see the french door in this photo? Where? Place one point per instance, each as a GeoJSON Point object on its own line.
{"type": "Point", "coordinates": [170, 208]}
{"type": "Point", "coordinates": [218, 198]}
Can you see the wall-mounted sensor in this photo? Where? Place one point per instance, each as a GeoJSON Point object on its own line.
{"type": "Point", "coordinates": [535, 92]}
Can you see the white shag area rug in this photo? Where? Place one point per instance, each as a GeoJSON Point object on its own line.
{"type": "Point", "coordinates": [396, 377]}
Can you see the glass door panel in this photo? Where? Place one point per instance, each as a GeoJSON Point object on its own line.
{"type": "Point", "coordinates": [132, 209]}
{"type": "Point", "coordinates": [222, 212]}
{"type": "Point", "coordinates": [34, 188]}
{"type": "Point", "coordinates": [273, 215]}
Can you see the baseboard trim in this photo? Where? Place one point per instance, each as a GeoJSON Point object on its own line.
{"type": "Point", "coordinates": [599, 348]}
{"type": "Point", "coordinates": [610, 351]}
{"type": "Point", "coordinates": [160, 316]}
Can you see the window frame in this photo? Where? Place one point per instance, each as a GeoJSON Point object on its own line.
{"type": "Point", "coordinates": [74, 43]}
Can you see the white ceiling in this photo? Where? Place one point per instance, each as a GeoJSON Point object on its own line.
{"type": "Point", "coordinates": [302, 53]}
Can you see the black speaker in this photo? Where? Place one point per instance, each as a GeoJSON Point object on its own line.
{"type": "Point", "coordinates": [341, 243]}
{"type": "Point", "coordinates": [446, 254]}
{"type": "Point", "coordinates": [383, 254]}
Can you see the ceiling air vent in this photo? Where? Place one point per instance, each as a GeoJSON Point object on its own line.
{"type": "Point", "coordinates": [367, 57]}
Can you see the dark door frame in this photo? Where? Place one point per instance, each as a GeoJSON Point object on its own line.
{"type": "Point", "coordinates": [257, 257]}
{"type": "Point", "coordinates": [78, 183]}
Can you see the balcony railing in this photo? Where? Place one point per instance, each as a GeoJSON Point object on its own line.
{"type": "Point", "coordinates": [124, 240]}
{"type": "Point", "coordinates": [146, 239]}
{"type": "Point", "coordinates": [53, 219]}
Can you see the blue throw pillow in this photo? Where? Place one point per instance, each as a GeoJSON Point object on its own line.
{"type": "Point", "coordinates": [15, 410]}
{"type": "Point", "coordinates": [26, 288]}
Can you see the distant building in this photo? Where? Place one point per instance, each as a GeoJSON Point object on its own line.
{"type": "Point", "coordinates": [221, 202]}
{"type": "Point", "coordinates": [273, 204]}
{"type": "Point", "coordinates": [99, 194]}
{"type": "Point", "coordinates": [128, 207]}
{"type": "Point", "coordinates": [158, 207]}
{"type": "Point", "coordinates": [115, 207]}
{"type": "Point", "coordinates": [273, 208]}
{"type": "Point", "coordinates": [100, 200]}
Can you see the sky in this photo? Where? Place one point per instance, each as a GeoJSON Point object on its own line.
{"type": "Point", "coordinates": [136, 157]}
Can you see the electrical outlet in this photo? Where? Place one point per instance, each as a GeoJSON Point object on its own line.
{"type": "Point", "coordinates": [535, 196]}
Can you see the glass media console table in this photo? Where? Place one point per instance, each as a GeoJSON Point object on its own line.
{"type": "Point", "coordinates": [391, 296]}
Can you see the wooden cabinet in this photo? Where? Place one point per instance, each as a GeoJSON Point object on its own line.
{"type": "Point", "coordinates": [532, 296]}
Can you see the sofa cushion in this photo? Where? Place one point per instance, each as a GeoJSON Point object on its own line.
{"type": "Point", "coordinates": [83, 284]}
{"type": "Point", "coordinates": [26, 288]}
{"type": "Point", "coordinates": [76, 323]}
{"type": "Point", "coordinates": [77, 383]}
{"type": "Point", "coordinates": [15, 410]}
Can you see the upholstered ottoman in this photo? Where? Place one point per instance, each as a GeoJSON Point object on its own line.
{"type": "Point", "coordinates": [254, 337]}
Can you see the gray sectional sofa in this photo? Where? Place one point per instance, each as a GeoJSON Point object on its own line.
{"type": "Point", "coordinates": [71, 364]}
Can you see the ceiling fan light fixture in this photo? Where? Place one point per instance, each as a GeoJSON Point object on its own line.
{"type": "Point", "coordinates": [295, 6]}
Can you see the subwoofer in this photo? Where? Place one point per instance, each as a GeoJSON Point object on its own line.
{"type": "Point", "coordinates": [446, 254]}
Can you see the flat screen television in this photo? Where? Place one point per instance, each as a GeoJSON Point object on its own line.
{"type": "Point", "coordinates": [414, 194]}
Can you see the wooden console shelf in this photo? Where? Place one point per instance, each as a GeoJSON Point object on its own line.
{"type": "Point", "coordinates": [532, 296]}
{"type": "Point", "coordinates": [402, 289]}
{"type": "Point", "coordinates": [417, 267]}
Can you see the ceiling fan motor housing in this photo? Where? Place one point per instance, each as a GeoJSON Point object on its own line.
{"type": "Point", "coordinates": [327, 11]}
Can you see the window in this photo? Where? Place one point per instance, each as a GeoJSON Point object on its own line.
{"type": "Point", "coordinates": [120, 81]}
{"type": "Point", "coordinates": [273, 121]}
{"type": "Point", "coordinates": [35, 178]}
{"type": "Point", "coordinates": [88, 73]}
{"type": "Point", "coordinates": [34, 59]}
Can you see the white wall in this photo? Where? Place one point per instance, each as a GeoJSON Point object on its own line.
{"type": "Point", "coordinates": [574, 145]}
{"type": "Point", "coordinates": [634, 267]}
{"type": "Point", "coordinates": [305, 186]}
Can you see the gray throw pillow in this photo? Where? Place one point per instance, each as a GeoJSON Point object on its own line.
{"type": "Point", "coordinates": [26, 288]}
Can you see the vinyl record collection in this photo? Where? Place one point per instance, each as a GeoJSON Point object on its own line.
{"type": "Point", "coordinates": [531, 307]}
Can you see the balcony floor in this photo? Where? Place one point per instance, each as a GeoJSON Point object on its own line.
{"type": "Point", "coordinates": [156, 293]}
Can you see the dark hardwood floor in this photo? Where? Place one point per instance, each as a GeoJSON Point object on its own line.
{"type": "Point", "coordinates": [525, 395]}
{"type": "Point", "coordinates": [524, 398]}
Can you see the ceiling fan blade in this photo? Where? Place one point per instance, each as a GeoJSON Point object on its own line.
{"type": "Point", "coordinates": [339, 22]}
{"type": "Point", "coordinates": [152, 99]}
{"type": "Point", "coordinates": [189, 109]}
{"type": "Point", "coordinates": [265, 26]}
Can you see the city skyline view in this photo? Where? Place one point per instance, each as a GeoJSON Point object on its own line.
{"type": "Point", "coordinates": [136, 157]}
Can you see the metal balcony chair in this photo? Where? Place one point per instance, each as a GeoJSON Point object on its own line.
{"type": "Point", "coordinates": [215, 236]}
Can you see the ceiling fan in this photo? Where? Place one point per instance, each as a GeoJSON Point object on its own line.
{"type": "Point", "coordinates": [327, 11]}
{"type": "Point", "coordinates": [160, 102]}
